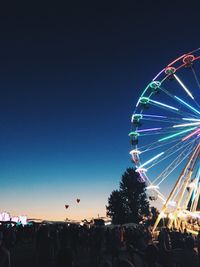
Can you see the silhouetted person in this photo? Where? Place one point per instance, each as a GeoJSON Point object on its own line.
{"type": "Point", "coordinates": [124, 263]}
{"type": "Point", "coordinates": [43, 247]}
{"type": "Point", "coordinates": [106, 264]}
{"type": "Point", "coordinates": [151, 256]}
{"type": "Point", "coordinates": [187, 256]}
{"type": "Point", "coordinates": [64, 257]}
{"type": "Point", "coordinates": [4, 254]}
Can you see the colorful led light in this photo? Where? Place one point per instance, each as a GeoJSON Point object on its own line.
{"type": "Point", "coordinates": [190, 135]}
{"type": "Point", "coordinates": [176, 134]}
{"type": "Point", "coordinates": [135, 134]}
{"type": "Point", "coordinates": [148, 130]}
{"type": "Point", "coordinates": [155, 84]}
{"type": "Point", "coordinates": [137, 116]}
{"type": "Point", "coordinates": [144, 100]}
{"type": "Point", "coordinates": [190, 119]}
{"type": "Point", "coordinates": [158, 74]}
{"type": "Point", "coordinates": [142, 95]}
{"type": "Point", "coordinates": [154, 116]}
{"type": "Point", "coordinates": [140, 116]}
{"type": "Point", "coordinates": [183, 86]}
{"type": "Point", "coordinates": [135, 151]}
{"type": "Point", "coordinates": [186, 124]}
{"type": "Point", "coordinates": [162, 104]}
{"type": "Point", "coordinates": [187, 105]}
{"type": "Point", "coordinates": [152, 159]}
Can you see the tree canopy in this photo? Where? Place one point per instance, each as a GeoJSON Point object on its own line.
{"type": "Point", "coordinates": [129, 203]}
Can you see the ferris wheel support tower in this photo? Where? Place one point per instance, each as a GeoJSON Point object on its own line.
{"type": "Point", "coordinates": [181, 195]}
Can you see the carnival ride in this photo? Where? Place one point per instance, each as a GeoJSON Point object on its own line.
{"type": "Point", "coordinates": [165, 141]}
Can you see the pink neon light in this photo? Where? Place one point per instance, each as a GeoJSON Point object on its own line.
{"type": "Point", "coordinates": [190, 135]}
{"type": "Point", "coordinates": [150, 129]}
{"type": "Point", "coordinates": [182, 57]}
{"type": "Point", "coordinates": [176, 60]}
{"type": "Point", "coordinates": [158, 74]}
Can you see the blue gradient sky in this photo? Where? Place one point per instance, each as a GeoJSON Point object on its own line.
{"type": "Point", "coordinates": [70, 78]}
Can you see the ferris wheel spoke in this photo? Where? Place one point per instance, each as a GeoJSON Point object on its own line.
{"type": "Point", "coordinates": [165, 140]}
{"type": "Point", "coordinates": [176, 134]}
{"type": "Point", "coordinates": [183, 86]}
{"type": "Point", "coordinates": [171, 151]}
{"type": "Point", "coordinates": [136, 118]}
{"type": "Point", "coordinates": [183, 125]}
{"type": "Point", "coordinates": [150, 160]}
{"type": "Point", "coordinates": [180, 101]}
{"type": "Point", "coordinates": [156, 145]}
{"type": "Point", "coordinates": [175, 163]}
{"type": "Point", "coordinates": [187, 105]}
{"type": "Point", "coordinates": [153, 131]}
{"type": "Point", "coordinates": [195, 77]}
{"type": "Point", "coordinates": [170, 108]}
{"type": "Point", "coordinates": [197, 132]}
{"type": "Point", "coordinates": [163, 155]}
{"type": "Point", "coordinates": [186, 89]}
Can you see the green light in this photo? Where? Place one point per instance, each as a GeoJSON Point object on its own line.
{"type": "Point", "coordinates": [136, 117]}
{"type": "Point", "coordinates": [133, 134]}
{"type": "Point", "coordinates": [142, 95]}
{"type": "Point", "coordinates": [176, 134]}
{"type": "Point", "coordinates": [144, 100]}
{"type": "Point", "coordinates": [155, 84]}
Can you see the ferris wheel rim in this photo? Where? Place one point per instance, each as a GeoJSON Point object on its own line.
{"type": "Point", "coordinates": [180, 62]}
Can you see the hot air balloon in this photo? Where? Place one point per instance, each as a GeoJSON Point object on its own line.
{"type": "Point", "coordinates": [66, 206]}
{"type": "Point", "coordinates": [77, 200]}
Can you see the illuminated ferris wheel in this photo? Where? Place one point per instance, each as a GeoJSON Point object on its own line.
{"type": "Point", "coordinates": [165, 139]}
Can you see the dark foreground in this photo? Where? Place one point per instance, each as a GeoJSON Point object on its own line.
{"type": "Point", "coordinates": [62, 245]}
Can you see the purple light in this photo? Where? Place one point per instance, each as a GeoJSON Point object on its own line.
{"type": "Point", "coordinates": [150, 129]}
{"type": "Point", "coordinates": [158, 74]}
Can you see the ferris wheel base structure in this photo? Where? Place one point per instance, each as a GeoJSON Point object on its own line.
{"type": "Point", "coordinates": [165, 142]}
{"type": "Point", "coordinates": [185, 208]}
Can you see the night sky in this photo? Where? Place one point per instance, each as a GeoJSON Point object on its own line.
{"type": "Point", "coordinates": [70, 77]}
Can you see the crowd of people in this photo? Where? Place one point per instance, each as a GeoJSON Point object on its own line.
{"type": "Point", "coordinates": [66, 245]}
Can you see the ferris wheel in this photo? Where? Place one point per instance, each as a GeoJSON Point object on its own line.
{"type": "Point", "coordinates": [165, 138]}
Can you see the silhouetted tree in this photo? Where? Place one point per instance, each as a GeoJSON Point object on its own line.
{"type": "Point", "coordinates": [115, 208]}
{"type": "Point", "coordinates": [129, 203]}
